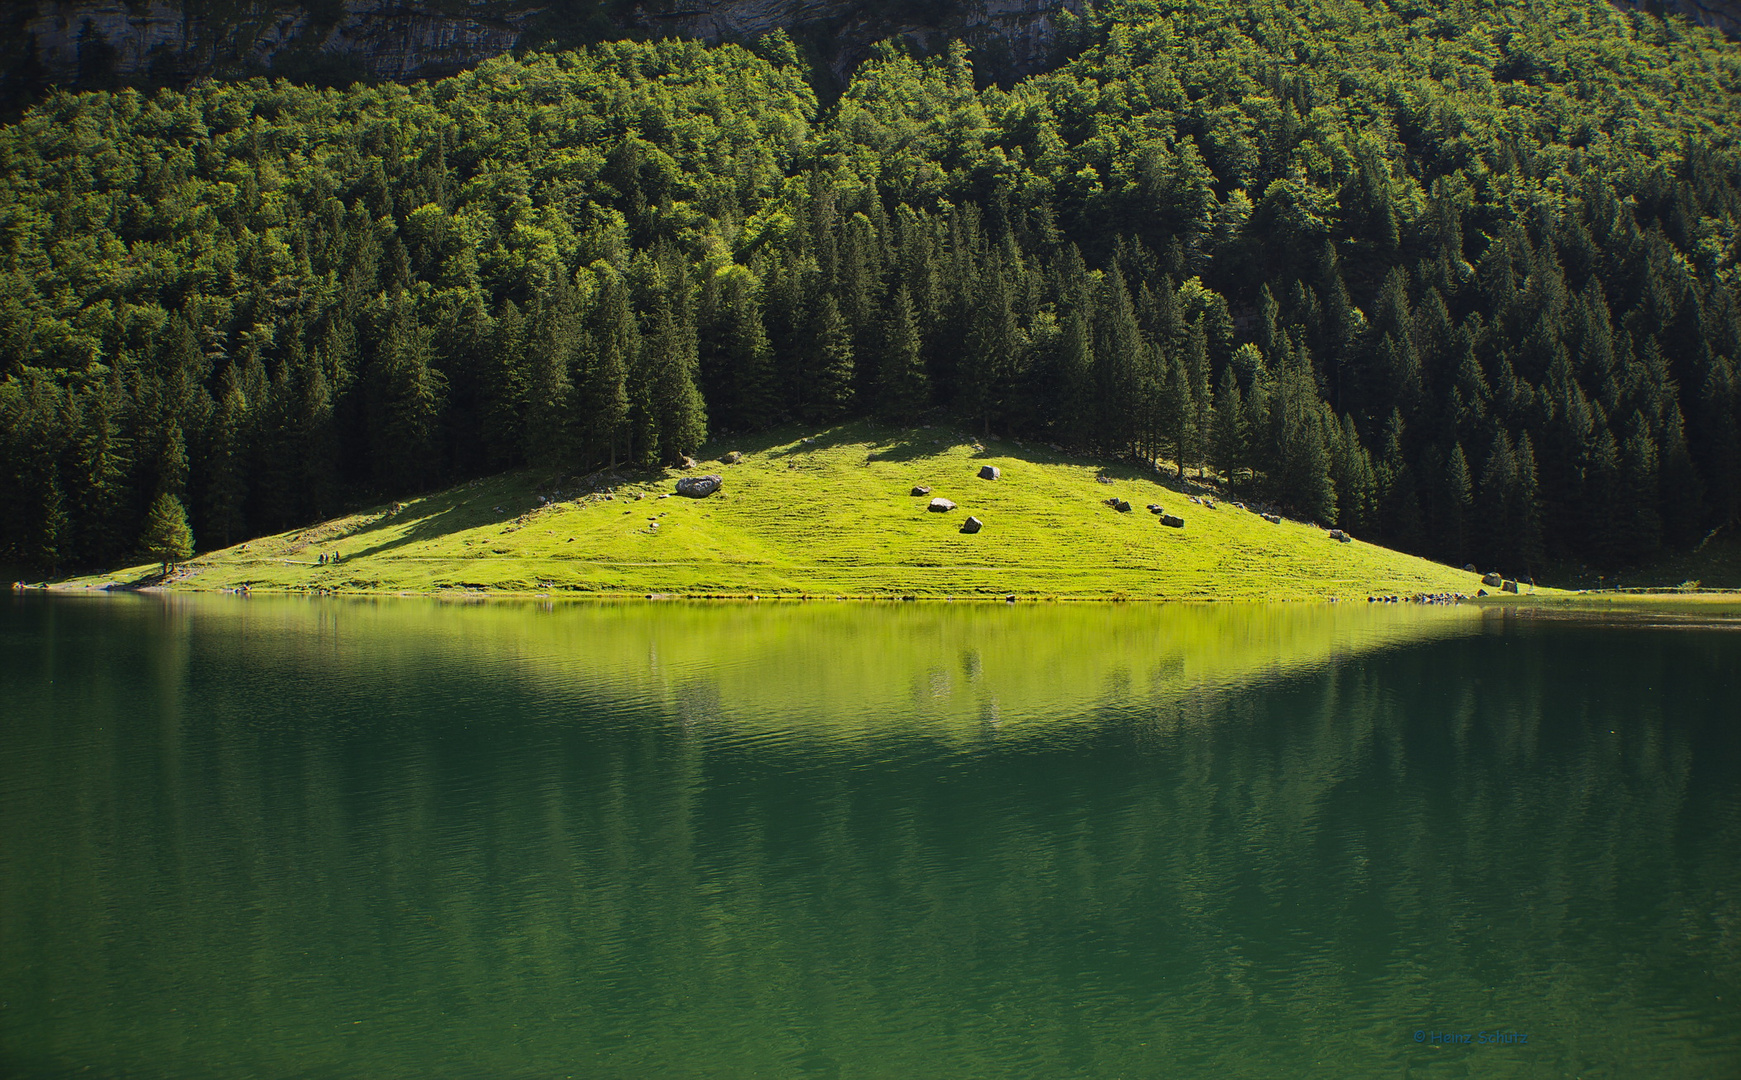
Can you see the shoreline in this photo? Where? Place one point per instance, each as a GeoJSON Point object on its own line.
{"type": "Point", "coordinates": [1546, 600]}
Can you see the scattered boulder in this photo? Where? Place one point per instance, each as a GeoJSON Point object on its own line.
{"type": "Point", "coordinates": [1480, 592]}
{"type": "Point", "coordinates": [1340, 537]}
{"type": "Point", "coordinates": [1492, 580]}
{"type": "Point", "coordinates": [940, 506]}
{"type": "Point", "coordinates": [1172, 522]}
{"type": "Point", "coordinates": [972, 525]}
{"type": "Point", "coordinates": [989, 472]}
{"type": "Point", "coordinates": [699, 487]}
{"type": "Point", "coordinates": [1508, 586]}
{"type": "Point", "coordinates": [1273, 519]}
{"type": "Point", "coordinates": [1103, 479]}
{"type": "Point", "coordinates": [921, 491]}
{"type": "Point", "coordinates": [686, 462]}
{"type": "Point", "coordinates": [733, 458]}
{"type": "Point", "coordinates": [1469, 568]}
{"type": "Point", "coordinates": [1118, 504]}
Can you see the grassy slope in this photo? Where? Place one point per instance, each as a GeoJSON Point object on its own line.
{"type": "Point", "coordinates": [828, 518]}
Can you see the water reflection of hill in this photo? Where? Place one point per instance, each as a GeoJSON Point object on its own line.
{"type": "Point", "coordinates": [829, 670]}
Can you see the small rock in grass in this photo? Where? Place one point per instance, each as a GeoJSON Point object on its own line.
{"type": "Point", "coordinates": [1172, 522]}
{"type": "Point", "coordinates": [941, 506]}
{"type": "Point", "coordinates": [1273, 519]}
{"type": "Point", "coordinates": [733, 458]}
{"type": "Point", "coordinates": [972, 525]}
{"type": "Point", "coordinates": [989, 472]}
{"type": "Point", "coordinates": [1508, 586]}
{"type": "Point", "coordinates": [1492, 580]}
{"type": "Point", "coordinates": [921, 491]}
{"type": "Point", "coordinates": [1339, 536]}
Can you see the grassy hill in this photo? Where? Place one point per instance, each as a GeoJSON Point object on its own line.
{"type": "Point", "coordinates": [829, 515]}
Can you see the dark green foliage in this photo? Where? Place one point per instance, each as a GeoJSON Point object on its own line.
{"type": "Point", "coordinates": [1467, 287]}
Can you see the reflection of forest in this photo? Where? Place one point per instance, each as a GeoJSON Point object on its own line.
{"type": "Point", "coordinates": [467, 859]}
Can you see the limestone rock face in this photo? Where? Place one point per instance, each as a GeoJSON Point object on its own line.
{"type": "Point", "coordinates": [1724, 15]}
{"type": "Point", "coordinates": [417, 39]}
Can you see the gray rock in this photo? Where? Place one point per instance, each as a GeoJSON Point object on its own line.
{"type": "Point", "coordinates": [1273, 519]}
{"type": "Point", "coordinates": [1339, 536]}
{"type": "Point", "coordinates": [1509, 586]}
{"type": "Point", "coordinates": [699, 487]}
{"type": "Point", "coordinates": [1172, 522]}
{"type": "Point", "coordinates": [972, 525]}
{"type": "Point", "coordinates": [1469, 568]}
{"type": "Point", "coordinates": [989, 472]}
{"type": "Point", "coordinates": [1492, 580]}
{"type": "Point", "coordinates": [921, 491]}
{"type": "Point", "coordinates": [940, 506]}
{"type": "Point", "coordinates": [733, 458]}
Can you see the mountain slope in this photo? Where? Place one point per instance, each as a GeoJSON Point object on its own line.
{"type": "Point", "coordinates": [832, 516]}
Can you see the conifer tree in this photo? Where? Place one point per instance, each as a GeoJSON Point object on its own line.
{"type": "Point", "coordinates": [167, 538]}
{"type": "Point", "coordinates": [831, 345]}
{"type": "Point", "coordinates": [681, 413]}
{"type": "Point", "coordinates": [616, 340]}
{"type": "Point", "coordinates": [227, 485]}
{"type": "Point", "coordinates": [902, 386]}
{"type": "Point", "coordinates": [1228, 445]}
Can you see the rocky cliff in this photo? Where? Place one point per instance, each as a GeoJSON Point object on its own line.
{"type": "Point", "coordinates": [1725, 15]}
{"type": "Point", "coordinates": [94, 42]}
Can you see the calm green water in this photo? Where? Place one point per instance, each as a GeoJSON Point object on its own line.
{"type": "Point", "coordinates": [277, 838]}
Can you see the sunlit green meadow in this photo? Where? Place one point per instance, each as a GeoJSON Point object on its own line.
{"type": "Point", "coordinates": [829, 515]}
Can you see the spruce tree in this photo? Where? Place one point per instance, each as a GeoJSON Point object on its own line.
{"type": "Point", "coordinates": [682, 415]}
{"type": "Point", "coordinates": [227, 483]}
{"type": "Point", "coordinates": [831, 345]}
{"type": "Point", "coordinates": [167, 538]}
{"type": "Point", "coordinates": [616, 339]}
{"type": "Point", "coordinates": [902, 386]}
{"type": "Point", "coordinates": [1228, 450]}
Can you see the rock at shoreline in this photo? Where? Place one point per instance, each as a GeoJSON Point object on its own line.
{"type": "Point", "coordinates": [699, 487]}
{"type": "Point", "coordinates": [1508, 586]}
{"type": "Point", "coordinates": [989, 472]}
{"type": "Point", "coordinates": [940, 506]}
{"type": "Point", "coordinates": [921, 491]}
{"type": "Point", "coordinates": [972, 525]}
{"type": "Point", "coordinates": [1492, 580]}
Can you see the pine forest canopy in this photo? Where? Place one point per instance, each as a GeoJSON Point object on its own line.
{"type": "Point", "coordinates": [1461, 278]}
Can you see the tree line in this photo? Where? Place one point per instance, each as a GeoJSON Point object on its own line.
{"type": "Point", "coordinates": [1459, 282]}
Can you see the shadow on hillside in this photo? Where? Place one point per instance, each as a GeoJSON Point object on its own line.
{"type": "Point", "coordinates": [912, 445]}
